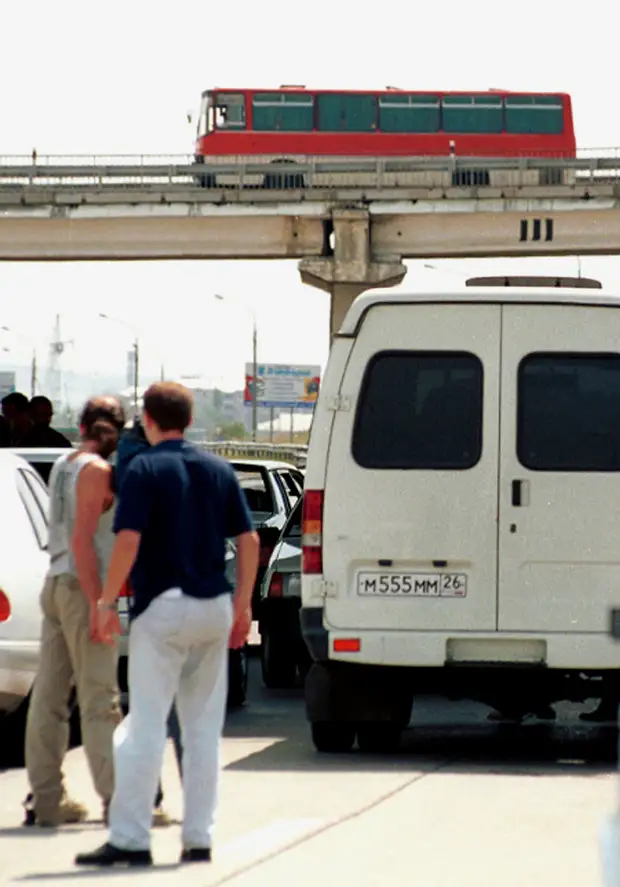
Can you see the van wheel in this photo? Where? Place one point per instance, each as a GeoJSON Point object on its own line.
{"type": "Point", "coordinates": [378, 738]}
{"type": "Point", "coordinates": [237, 677]}
{"type": "Point", "coordinates": [333, 737]}
{"type": "Point", "coordinates": [278, 664]}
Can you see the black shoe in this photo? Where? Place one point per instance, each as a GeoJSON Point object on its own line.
{"type": "Point", "coordinates": [108, 855]}
{"type": "Point", "coordinates": [196, 854]}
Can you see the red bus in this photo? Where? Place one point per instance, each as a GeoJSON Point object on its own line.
{"type": "Point", "coordinates": [295, 123]}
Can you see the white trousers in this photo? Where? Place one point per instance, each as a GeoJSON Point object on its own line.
{"type": "Point", "coordinates": [177, 648]}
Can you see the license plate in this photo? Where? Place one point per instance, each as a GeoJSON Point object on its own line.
{"type": "Point", "coordinates": [371, 584]}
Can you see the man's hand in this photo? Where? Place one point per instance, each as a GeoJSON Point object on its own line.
{"type": "Point", "coordinates": [94, 623]}
{"type": "Point", "coordinates": [108, 627]}
{"type": "Point", "coordinates": [242, 625]}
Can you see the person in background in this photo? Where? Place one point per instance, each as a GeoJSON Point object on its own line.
{"type": "Point", "coordinates": [132, 442]}
{"type": "Point", "coordinates": [177, 506]}
{"type": "Point", "coordinates": [16, 410]}
{"type": "Point", "coordinates": [41, 434]}
{"type": "Point", "coordinates": [5, 432]}
{"type": "Point", "coordinates": [72, 647]}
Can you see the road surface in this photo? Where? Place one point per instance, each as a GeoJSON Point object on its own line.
{"type": "Point", "coordinates": [465, 803]}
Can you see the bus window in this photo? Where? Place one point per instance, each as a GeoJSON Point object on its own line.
{"type": "Point", "coordinates": [229, 111]}
{"type": "Point", "coordinates": [347, 112]}
{"type": "Point", "coordinates": [283, 112]}
{"type": "Point", "coordinates": [534, 115]}
{"type": "Point", "coordinates": [471, 114]}
{"type": "Point", "coordinates": [409, 113]}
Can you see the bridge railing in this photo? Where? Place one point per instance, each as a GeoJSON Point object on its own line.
{"type": "Point", "coordinates": [181, 173]}
{"type": "Point", "coordinates": [295, 454]}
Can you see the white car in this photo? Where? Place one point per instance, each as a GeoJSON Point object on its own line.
{"type": "Point", "coordinates": [23, 564]}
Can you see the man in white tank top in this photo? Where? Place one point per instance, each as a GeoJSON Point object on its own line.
{"type": "Point", "coordinates": [72, 650]}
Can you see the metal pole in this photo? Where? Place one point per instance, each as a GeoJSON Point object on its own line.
{"type": "Point", "coordinates": [292, 424]}
{"type": "Point", "coordinates": [33, 375]}
{"type": "Point", "coordinates": [136, 376]}
{"type": "Point", "coordinates": [271, 411]}
{"type": "Point", "coordinates": [162, 375]}
{"type": "Point", "coordinates": [255, 381]}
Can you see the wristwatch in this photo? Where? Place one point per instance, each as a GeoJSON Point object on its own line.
{"type": "Point", "coordinates": [102, 606]}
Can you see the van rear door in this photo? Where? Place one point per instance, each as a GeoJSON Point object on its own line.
{"type": "Point", "coordinates": [410, 510]}
{"type": "Point", "coordinates": [560, 468]}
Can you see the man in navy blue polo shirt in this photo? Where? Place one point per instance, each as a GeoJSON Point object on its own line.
{"type": "Point", "coordinates": [177, 506]}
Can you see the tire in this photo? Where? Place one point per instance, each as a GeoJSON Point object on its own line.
{"type": "Point", "coordinates": [378, 738]}
{"type": "Point", "coordinates": [332, 737]}
{"type": "Point", "coordinates": [13, 730]}
{"type": "Point", "coordinates": [278, 664]}
{"type": "Point", "coordinates": [237, 677]}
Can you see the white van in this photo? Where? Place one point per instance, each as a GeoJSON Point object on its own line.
{"type": "Point", "coordinates": [461, 527]}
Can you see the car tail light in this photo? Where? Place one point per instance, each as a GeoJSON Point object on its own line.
{"type": "Point", "coordinates": [5, 607]}
{"type": "Point", "coordinates": [276, 585]}
{"type": "Point", "coordinates": [124, 592]}
{"type": "Point", "coordinates": [347, 645]}
{"type": "Point", "coordinates": [312, 532]}
{"type": "Point", "coordinates": [265, 555]}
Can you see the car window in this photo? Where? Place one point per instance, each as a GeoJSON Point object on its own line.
{"type": "Point", "coordinates": [283, 502]}
{"type": "Point", "coordinates": [292, 528]}
{"type": "Point", "coordinates": [257, 493]}
{"type": "Point", "coordinates": [37, 516]}
{"type": "Point", "coordinates": [40, 491]}
{"type": "Point", "coordinates": [291, 487]}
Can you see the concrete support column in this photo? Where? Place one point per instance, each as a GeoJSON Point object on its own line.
{"type": "Point", "coordinates": [351, 268]}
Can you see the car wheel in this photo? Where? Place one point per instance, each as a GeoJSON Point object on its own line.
{"type": "Point", "coordinates": [378, 738]}
{"type": "Point", "coordinates": [333, 737]}
{"type": "Point", "coordinates": [13, 729]}
{"type": "Point", "coordinates": [278, 664]}
{"type": "Point", "coordinates": [237, 677]}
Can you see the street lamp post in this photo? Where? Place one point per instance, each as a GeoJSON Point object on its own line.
{"type": "Point", "coordinates": [33, 362]}
{"type": "Point", "coordinates": [254, 363]}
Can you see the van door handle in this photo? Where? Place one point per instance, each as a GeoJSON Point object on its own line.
{"type": "Point", "coordinates": [520, 493]}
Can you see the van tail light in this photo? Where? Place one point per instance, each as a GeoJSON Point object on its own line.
{"type": "Point", "coordinates": [276, 585]}
{"type": "Point", "coordinates": [312, 532]}
{"type": "Point", "coordinates": [5, 607]}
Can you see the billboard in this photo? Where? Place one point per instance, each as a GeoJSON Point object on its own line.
{"type": "Point", "coordinates": [283, 385]}
{"type": "Point", "coordinates": [7, 383]}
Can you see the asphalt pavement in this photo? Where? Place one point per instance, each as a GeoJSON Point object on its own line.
{"type": "Point", "coordinates": [465, 802]}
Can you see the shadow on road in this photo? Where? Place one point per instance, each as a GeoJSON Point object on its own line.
{"type": "Point", "coordinates": [456, 736]}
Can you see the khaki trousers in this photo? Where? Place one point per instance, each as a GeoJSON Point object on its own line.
{"type": "Point", "coordinates": [68, 657]}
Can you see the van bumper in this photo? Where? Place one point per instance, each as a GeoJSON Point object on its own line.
{"type": "Point", "coordinates": [594, 651]}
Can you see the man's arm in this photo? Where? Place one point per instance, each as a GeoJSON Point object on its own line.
{"type": "Point", "coordinates": [92, 496]}
{"type": "Point", "coordinates": [132, 515]}
{"type": "Point", "coordinates": [239, 527]}
{"type": "Point", "coordinates": [247, 566]}
{"type": "Point", "coordinates": [122, 559]}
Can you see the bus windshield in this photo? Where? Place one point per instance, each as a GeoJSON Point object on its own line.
{"type": "Point", "coordinates": [225, 111]}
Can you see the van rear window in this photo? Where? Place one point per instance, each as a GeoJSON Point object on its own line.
{"type": "Point", "coordinates": [419, 410]}
{"type": "Point", "coordinates": [569, 412]}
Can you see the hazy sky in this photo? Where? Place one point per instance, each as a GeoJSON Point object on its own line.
{"type": "Point", "coordinates": [119, 77]}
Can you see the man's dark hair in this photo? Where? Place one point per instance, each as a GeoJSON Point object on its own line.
{"type": "Point", "coordinates": [17, 400]}
{"type": "Point", "coordinates": [169, 405]}
{"type": "Point", "coordinates": [42, 401]}
{"type": "Point", "coordinates": [100, 416]}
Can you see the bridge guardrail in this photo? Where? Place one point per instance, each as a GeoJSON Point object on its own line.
{"type": "Point", "coordinates": [108, 172]}
{"type": "Point", "coordinates": [234, 449]}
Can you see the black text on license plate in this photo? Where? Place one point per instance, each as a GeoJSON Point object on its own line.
{"type": "Point", "coordinates": [371, 584]}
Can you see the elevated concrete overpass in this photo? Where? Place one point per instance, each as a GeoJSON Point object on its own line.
{"type": "Point", "coordinates": [350, 224]}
